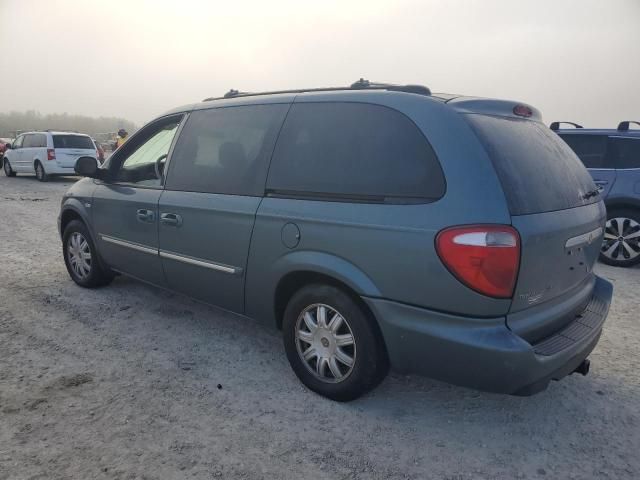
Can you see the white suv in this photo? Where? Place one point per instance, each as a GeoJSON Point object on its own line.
{"type": "Point", "coordinates": [47, 153]}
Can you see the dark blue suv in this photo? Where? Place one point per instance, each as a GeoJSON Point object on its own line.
{"type": "Point", "coordinates": [613, 159]}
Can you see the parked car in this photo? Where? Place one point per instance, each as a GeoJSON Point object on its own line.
{"type": "Point", "coordinates": [3, 145]}
{"type": "Point", "coordinates": [47, 153]}
{"type": "Point", "coordinates": [613, 159]}
{"type": "Point", "coordinates": [375, 225]}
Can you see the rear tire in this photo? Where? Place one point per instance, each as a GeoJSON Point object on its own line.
{"type": "Point", "coordinates": [344, 358]}
{"type": "Point", "coordinates": [41, 175]}
{"type": "Point", "coordinates": [8, 171]}
{"type": "Point", "coordinates": [81, 257]}
{"type": "Point", "coordinates": [621, 245]}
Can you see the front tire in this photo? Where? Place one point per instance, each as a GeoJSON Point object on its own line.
{"type": "Point", "coordinates": [332, 344]}
{"type": "Point", "coordinates": [8, 171]}
{"type": "Point", "coordinates": [41, 175]}
{"type": "Point", "coordinates": [81, 257]}
{"type": "Point", "coordinates": [621, 244]}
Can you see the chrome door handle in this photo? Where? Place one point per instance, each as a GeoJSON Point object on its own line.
{"type": "Point", "coordinates": [146, 215]}
{"type": "Point", "coordinates": [171, 219]}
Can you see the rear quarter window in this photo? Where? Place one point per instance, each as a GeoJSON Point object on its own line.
{"type": "Point", "coordinates": [591, 149]}
{"type": "Point", "coordinates": [624, 152]}
{"type": "Point", "coordinates": [354, 151]}
{"type": "Point", "coordinates": [537, 170]}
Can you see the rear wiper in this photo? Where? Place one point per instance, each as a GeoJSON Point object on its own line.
{"type": "Point", "coordinates": [590, 194]}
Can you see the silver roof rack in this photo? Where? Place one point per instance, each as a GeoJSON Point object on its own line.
{"type": "Point", "coordinates": [556, 125]}
{"type": "Point", "coordinates": [624, 126]}
{"type": "Point", "coordinates": [361, 84]}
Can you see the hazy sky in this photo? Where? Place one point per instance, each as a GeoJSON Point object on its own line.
{"type": "Point", "coordinates": [574, 59]}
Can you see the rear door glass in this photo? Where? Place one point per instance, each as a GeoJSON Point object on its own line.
{"type": "Point", "coordinates": [72, 141]}
{"type": "Point", "coordinates": [591, 149]}
{"type": "Point", "coordinates": [538, 171]}
{"type": "Point", "coordinates": [29, 141]}
{"type": "Point", "coordinates": [624, 152]}
{"type": "Point", "coordinates": [35, 140]}
{"type": "Point", "coordinates": [226, 150]}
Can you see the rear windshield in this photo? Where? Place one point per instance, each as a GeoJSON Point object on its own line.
{"type": "Point", "coordinates": [72, 141]}
{"type": "Point", "coordinates": [537, 170]}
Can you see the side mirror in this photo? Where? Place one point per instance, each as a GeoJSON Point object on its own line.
{"type": "Point", "coordinates": [88, 167]}
{"type": "Point", "coordinates": [8, 146]}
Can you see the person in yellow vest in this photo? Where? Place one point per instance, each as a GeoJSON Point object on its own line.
{"type": "Point", "coordinates": [122, 137]}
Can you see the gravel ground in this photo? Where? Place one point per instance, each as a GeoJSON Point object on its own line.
{"type": "Point", "coordinates": [131, 382]}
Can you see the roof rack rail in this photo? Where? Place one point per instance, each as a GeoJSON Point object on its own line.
{"type": "Point", "coordinates": [361, 84]}
{"type": "Point", "coordinates": [556, 125]}
{"type": "Point", "coordinates": [234, 93]}
{"type": "Point", "coordinates": [624, 126]}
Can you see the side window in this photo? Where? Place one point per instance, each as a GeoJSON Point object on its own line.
{"type": "Point", "coordinates": [19, 141]}
{"type": "Point", "coordinates": [354, 151]}
{"type": "Point", "coordinates": [624, 152]}
{"type": "Point", "coordinates": [141, 160]}
{"type": "Point", "coordinates": [591, 149]}
{"type": "Point", "coordinates": [40, 140]}
{"type": "Point", "coordinates": [28, 141]}
{"type": "Point", "coordinates": [226, 150]}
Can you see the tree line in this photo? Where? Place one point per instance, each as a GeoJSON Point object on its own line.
{"type": "Point", "coordinates": [32, 120]}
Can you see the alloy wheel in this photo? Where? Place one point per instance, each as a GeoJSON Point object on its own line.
{"type": "Point", "coordinates": [7, 168]}
{"type": "Point", "coordinates": [79, 255]}
{"type": "Point", "coordinates": [621, 239]}
{"type": "Point", "coordinates": [325, 343]}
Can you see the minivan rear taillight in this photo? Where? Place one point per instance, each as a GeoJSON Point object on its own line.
{"type": "Point", "coordinates": [51, 154]}
{"type": "Point", "coordinates": [483, 257]}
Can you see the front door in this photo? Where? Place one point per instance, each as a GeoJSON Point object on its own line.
{"type": "Point", "coordinates": [214, 186]}
{"type": "Point", "coordinates": [15, 159]}
{"type": "Point", "coordinates": [125, 207]}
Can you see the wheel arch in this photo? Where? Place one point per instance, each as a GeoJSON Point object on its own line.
{"type": "Point", "coordinates": [300, 268]}
{"type": "Point", "coordinates": [622, 202]}
{"type": "Point", "coordinates": [73, 210]}
{"type": "Point", "coordinates": [293, 281]}
{"type": "Point", "coordinates": [271, 277]}
{"type": "Point", "coordinates": [37, 160]}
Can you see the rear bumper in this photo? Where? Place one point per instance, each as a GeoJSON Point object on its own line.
{"type": "Point", "coordinates": [483, 353]}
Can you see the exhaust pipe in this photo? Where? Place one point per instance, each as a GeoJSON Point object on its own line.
{"type": "Point", "coordinates": [583, 368]}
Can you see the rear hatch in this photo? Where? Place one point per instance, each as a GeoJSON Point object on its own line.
{"type": "Point", "coordinates": [69, 148]}
{"type": "Point", "coordinates": [553, 205]}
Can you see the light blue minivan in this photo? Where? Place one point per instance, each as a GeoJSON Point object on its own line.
{"type": "Point", "coordinates": [376, 225]}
